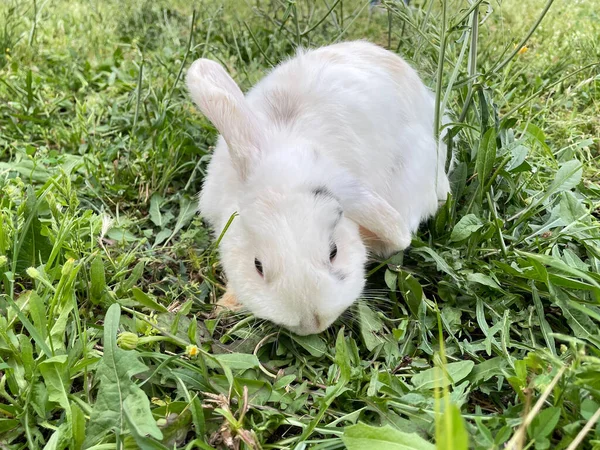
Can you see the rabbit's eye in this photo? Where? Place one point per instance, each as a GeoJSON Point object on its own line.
{"type": "Point", "coordinates": [258, 266]}
{"type": "Point", "coordinates": [333, 252]}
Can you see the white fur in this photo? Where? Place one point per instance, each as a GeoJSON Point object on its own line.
{"type": "Point", "coordinates": [352, 118]}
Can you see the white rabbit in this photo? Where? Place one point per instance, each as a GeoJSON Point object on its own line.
{"type": "Point", "coordinates": [329, 156]}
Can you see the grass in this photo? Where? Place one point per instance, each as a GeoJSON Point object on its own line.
{"type": "Point", "coordinates": [483, 334]}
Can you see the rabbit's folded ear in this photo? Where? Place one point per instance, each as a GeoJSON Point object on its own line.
{"type": "Point", "coordinates": [372, 213]}
{"type": "Point", "coordinates": [221, 100]}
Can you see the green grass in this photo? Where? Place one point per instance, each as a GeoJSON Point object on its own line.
{"type": "Point", "coordinates": [485, 331]}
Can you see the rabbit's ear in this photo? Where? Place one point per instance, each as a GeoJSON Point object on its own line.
{"type": "Point", "coordinates": [382, 223]}
{"type": "Point", "coordinates": [221, 100]}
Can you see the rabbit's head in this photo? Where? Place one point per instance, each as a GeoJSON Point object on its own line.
{"type": "Point", "coordinates": [294, 258]}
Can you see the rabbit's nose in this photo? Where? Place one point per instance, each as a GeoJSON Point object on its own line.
{"type": "Point", "coordinates": [313, 324]}
{"type": "Point", "coordinates": [317, 320]}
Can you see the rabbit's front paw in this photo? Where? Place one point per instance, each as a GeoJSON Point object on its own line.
{"type": "Point", "coordinates": [228, 302]}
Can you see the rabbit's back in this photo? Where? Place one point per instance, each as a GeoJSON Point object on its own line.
{"type": "Point", "coordinates": [366, 109]}
{"type": "Point", "coordinates": [363, 107]}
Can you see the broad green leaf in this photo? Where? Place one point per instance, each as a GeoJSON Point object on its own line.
{"type": "Point", "coordinates": [136, 274]}
{"type": "Point", "coordinates": [466, 226]}
{"type": "Point", "coordinates": [573, 260]}
{"type": "Point", "coordinates": [162, 236]}
{"type": "Point", "coordinates": [17, 381]}
{"type": "Point", "coordinates": [58, 440]}
{"type": "Point", "coordinates": [192, 378]}
{"type": "Point", "coordinates": [8, 424]}
{"type": "Point", "coordinates": [535, 132]}
{"type": "Point", "coordinates": [370, 326]}
{"type": "Point", "coordinates": [37, 311]}
{"type": "Point", "coordinates": [571, 208]}
{"type": "Point", "coordinates": [484, 432]}
{"type": "Point", "coordinates": [342, 356]}
{"type": "Point", "coordinates": [441, 263]}
{"type": "Point", "coordinates": [588, 408]}
{"type": "Point", "coordinates": [26, 354]}
{"type": "Point", "coordinates": [503, 435]}
{"type": "Point", "coordinates": [53, 442]}
{"type": "Point", "coordinates": [567, 177]}
{"type": "Point", "coordinates": [412, 291]}
{"type": "Point", "coordinates": [580, 323]}
{"type": "Point", "coordinates": [28, 169]}
{"type": "Point", "coordinates": [544, 423]}
{"type": "Point", "coordinates": [32, 171]}
{"type": "Point", "coordinates": [561, 266]}
{"type": "Point", "coordinates": [451, 318]}
{"type": "Point", "coordinates": [121, 235]}
{"type": "Point", "coordinates": [430, 378]}
{"type": "Point", "coordinates": [33, 248]}
{"type": "Point", "coordinates": [198, 417]}
{"type": "Point", "coordinates": [55, 372]}
{"type": "Point", "coordinates": [58, 330]}
{"type": "Point", "coordinates": [39, 399]}
{"type": "Point", "coordinates": [78, 426]}
{"type": "Point", "coordinates": [364, 437]}
{"type": "Point", "coordinates": [519, 154]}
{"type": "Point", "coordinates": [144, 299]}
{"type": "Point", "coordinates": [451, 433]}
{"type": "Point", "coordinates": [390, 279]}
{"type": "Point", "coordinates": [137, 410]}
{"type": "Point", "coordinates": [192, 330]}
{"type": "Point", "coordinates": [557, 280]}
{"type": "Point", "coordinates": [155, 216]}
{"type": "Point", "coordinates": [487, 369]}
{"type": "Point", "coordinates": [284, 381]}
{"type": "Point", "coordinates": [314, 344]}
{"type": "Point", "coordinates": [237, 361]}
{"type": "Point", "coordinates": [139, 442]}
{"type": "Point", "coordinates": [114, 373]}
{"type": "Point", "coordinates": [590, 311]}
{"type": "Point", "coordinates": [485, 280]}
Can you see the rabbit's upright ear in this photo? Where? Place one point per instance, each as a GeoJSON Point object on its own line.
{"type": "Point", "coordinates": [373, 214]}
{"type": "Point", "coordinates": [221, 100]}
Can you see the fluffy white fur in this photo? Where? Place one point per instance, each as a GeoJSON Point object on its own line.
{"type": "Point", "coordinates": [333, 143]}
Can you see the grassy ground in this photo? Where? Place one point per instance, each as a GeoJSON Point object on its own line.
{"type": "Point", "coordinates": [485, 331]}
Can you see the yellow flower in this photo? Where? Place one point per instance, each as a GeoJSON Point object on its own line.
{"type": "Point", "coordinates": [192, 351]}
{"type": "Point", "coordinates": [523, 50]}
